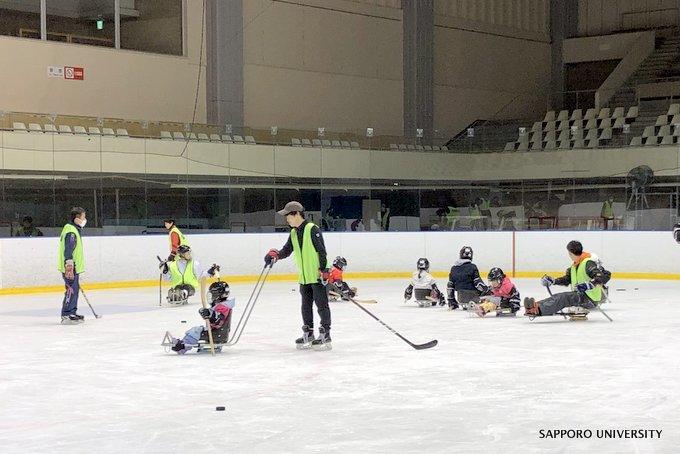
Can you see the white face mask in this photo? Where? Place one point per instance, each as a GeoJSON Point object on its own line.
{"type": "Point", "coordinates": [81, 222]}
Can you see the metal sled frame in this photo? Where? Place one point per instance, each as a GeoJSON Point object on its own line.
{"type": "Point", "coordinates": [201, 347]}
{"type": "Point", "coordinates": [248, 309]}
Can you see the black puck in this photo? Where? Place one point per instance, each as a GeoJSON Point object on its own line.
{"type": "Point", "coordinates": [184, 321]}
{"type": "Point", "coordinates": [219, 408]}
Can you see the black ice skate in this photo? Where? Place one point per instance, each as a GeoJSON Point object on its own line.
{"type": "Point", "coordinates": [73, 319]}
{"type": "Point", "coordinates": [323, 342]}
{"type": "Point", "coordinates": [305, 342]}
{"type": "Point", "coordinates": [178, 346]}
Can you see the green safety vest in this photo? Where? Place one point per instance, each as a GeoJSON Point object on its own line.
{"type": "Point", "coordinates": [177, 278]}
{"type": "Point", "coordinates": [579, 276]}
{"type": "Point", "coordinates": [306, 257]}
{"type": "Point", "coordinates": [78, 259]}
{"type": "Point", "coordinates": [607, 209]}
{"type": "Point", "coordinates": [452, 214]}
{"type": "Point", "coordinates": [182, 239]}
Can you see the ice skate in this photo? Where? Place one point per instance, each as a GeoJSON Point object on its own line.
{"type": "Point", "coordinates": [73, 319]}
{"type": "Point", "coordinates": [305, 342]}
{"type": "Point", "coordinates": [323, 342]}
{"type": "Point", "coordinates": [178, 346]}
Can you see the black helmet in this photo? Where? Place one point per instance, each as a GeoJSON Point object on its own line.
{"type": "Point", "coordinates": [496, 274]}
{"type": "Point", "coordinates": [340, 262]}
{"type": "Point", "coordinates": [423, 264]}
{"type": "Point", "coordinates": [466, 253]}
{"type": "Point", "coordinates": [183, 249]}
{"type": "Point", "coordinates": [218, 291]}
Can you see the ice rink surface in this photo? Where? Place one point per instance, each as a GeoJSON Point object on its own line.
{"type": "Point", "coordinates": [489, 386]}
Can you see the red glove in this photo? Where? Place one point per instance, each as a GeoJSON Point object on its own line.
{"type": "Point", "coordinates": [271, 257]}
{"type": "Point", "coordinates": [325, 275]}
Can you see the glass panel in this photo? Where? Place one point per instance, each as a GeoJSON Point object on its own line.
{"type": "Point", "coordinates": [78, 22]}
{"type": "Point", "coordinates": [21, 18]}
{"type": "Point", "coordinates": [152, 26]}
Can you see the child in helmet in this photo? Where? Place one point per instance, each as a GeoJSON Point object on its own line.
{"type": "Point", "coordinates": [507, 299]}
{"type": "Point", "coordinates": [185, 276]}
{"type": "Point", "coordinates": [464, 284]}
{"type": "Point", "coordinates": [337, 287]}
{"type": "Point", "coordinates": [426, 291]}
{"type": "Point", "coordinates": [219, 316]}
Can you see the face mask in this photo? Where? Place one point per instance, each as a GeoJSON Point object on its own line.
{"type": "Point", "coordinates": [81, 223]}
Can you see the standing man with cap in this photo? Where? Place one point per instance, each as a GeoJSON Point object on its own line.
{"type": "Point", "coordinates": [306, 245]}
{"type": "Point", "coordinates": [71, 264]}
{"type": "Point", "coordinates": [177, 238]}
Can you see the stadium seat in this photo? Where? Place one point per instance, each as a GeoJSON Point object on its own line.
{"type": "Point", "coordinates": [591, 124]}
{"type": "Point", "coordinates": [536, 146]}
{"type": "Point", "coordinates": [420, 148]}
{"type": "Point", "coordinates": [105, 131]}
{"type": "Point", "coordinates": [550, 126]}
{"type": "Point", "coordinates": [604, 113]}
{"type": "Point", "coordinates": [436, 148]}
{"type": "Point", "coordinates": [325, 143]}
{"type": "Point", "coordinates": [605, 123]}
{"type": "Point", "coordinates": [648, 132]}
{"type": "Point", "coordinates": [674, 109]}
{"type": "Point", "coordinates": [651, 140]}
{"type": "Point", "coordinates": [295, 142]}
{"type": "Point", "coordinates": [565, 144]}
{"type": "Point", "coordinates": [345, 144]}
{"type": "Point", "coordinates": [226, 138]}
{"type": "Point", "coordinates": [592, 134]}
{"type": "Point", "coordinates": [94, 131]}
{"type": "Point", "coordinates": [661, 120]}
{"type": "Point", "coordinates": [238, 139]}
{"type": "Point", "coordinates": [65, 129]}
{"type": "Point", "coordinates": [592, 143]}
{"type": "Point", "coordinates": [551, 145]}
{"type": "Point", "coordinates": [676, 130]}
{"type": "Point", "coordinates": [19, 127]}
{"type": "Point", "coordinates": [590, 114]}
{"type": "Point", "coordinates": [191, 136]}
{"type": "Point", "coordinates": [675, 120]}
{"type": "Point", "coordinates": [579, 143]}
{"type": "Point", "coordinates": [665, 130]}
{"type": "Point", "coordinates": [429, 147]}
{"type": "Point", "coordinates": [79, 130]}
{"type": "Point", "coordinates": [336, 144]}
{"type": "Point", "coordinates": [250, 140]}
{"type": "Point", "coordinates": [577, 133]}
{"type": "Point", "coordinates": [619, 112]}
{"type": "Point", "coordinates": [509, 146]}
{"type": "Point", "coordinates": [667, 140]}
{"type": "Point", "coordinates": [166, 135]}
{"type": "Point", "coordinates": [564, 135]}
{"type": "Point", "coordinates": [444, 148]}
{"type": "Point", "coordinates": [306, 143]}
{"type": "Point", "coordinates": [411, 147]}
{"type": "Point", "coordinates": [632, 112]}
{"type": "Point", "coordinates": [354, 145]}
{"type": "Point", "coordinates": [562, 125]}
{"type": "Point", "coordinates": [121, 132]}
{"type": "Point", "coordinates": [537, 127]}
{"type": "Point", "coordinates": [636, 142]}
{"type": "Point", "coordinates": [177, 135]}
{"type": "Point", "coordinates": [403, 147]}
{"type": "Point", "coordinates": [549, 136]}
{"type": "Point", "coordinates": [34, 127]}
{"type": "Point", "coordinates": [215, 138]}
{"type": "Point", "coordinates": [523, 146]}
{"type": "Point", "coordinates": [203, 137]}
{"type": "Point", "coordinates": [576, 115]}
{"type": "Point", "coordinates": [563, 116]}
{"type": "Point", "coordinates": [549, 116]}
{"type": "Point", "coordinates": [619, 122]}
{"type": "Point", "coordinates": [316, 143]}
{"type": "Point", "coordinates": [393, 146]}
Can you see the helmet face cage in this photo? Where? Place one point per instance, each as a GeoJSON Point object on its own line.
{"type": "Point", "coordinates": [466, 252]}
{"type": "Point", "coordinates": [218, 291]}
{"type": "Point", "coordinates": [423, 264]}
{"type": "Point", "coordinates": [340, 262]}
{"type": "Point", "coordinates": [496, 276]}
{"type": "Point", "coordinates": [182, 250]}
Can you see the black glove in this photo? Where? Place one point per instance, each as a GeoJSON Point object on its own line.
{"type": "Point", "coordinates": [163, 266]}
{"type": "Point", "coordinates": [442, 300]}
{"type": "Point", "coordinates": [453, 304]}
{"type": "Point", "coordinates": [408, 293]}
{"type": "Point", "coordinates": [547, 281]}
{"type": "Point", "coordinates": [205, 313]}
{"type": "Point", "coordinates": [171, 257]}
{"type": "Point", "coordinates": [271, 257]}
{"type": "Point", "coordinates": [213, 269]}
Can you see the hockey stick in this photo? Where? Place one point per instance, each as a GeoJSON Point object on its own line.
{"type": "Point", "coordinates": [596, 305]}
{"type": "Point", "coordinates": [207, 321]}
{"type": "Point", "coordinates": [160, 283]}
{"type": "Point", "coordinates": [424, 346]}
{"type": "Point", "coordinates": [88, 303]}
{"type": "Point", "coordinates": [340, 296]}
{"type": "Point", "coordinates": [250, 305]}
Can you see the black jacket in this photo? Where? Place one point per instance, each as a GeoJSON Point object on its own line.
{"type": "Point", "coordinates": [464, 275]}
{"type": "Point", "coordinates": [317, 241]}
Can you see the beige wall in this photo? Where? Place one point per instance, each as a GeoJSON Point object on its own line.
{"type": "Point", "coordinates": [597, 48]}
{"type": "Point", "coordinates": [118, 83]}
{"type": "Point", "coordinates": [492, 61]}
{"type": "Point", "coordinates": [336, 64]}
{"type": "Point", "coordinates": [601, 17]}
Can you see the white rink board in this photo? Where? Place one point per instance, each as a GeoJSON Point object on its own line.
{"type": "Point", "coordinates": [32, 261]}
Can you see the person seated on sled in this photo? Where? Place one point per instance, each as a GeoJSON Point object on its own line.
{"type": "Point", "coordinates": [185, 276]}
{"type": "Point", "coordinates": [503, 291]}
{"type": "Point", "coordinates": [586, 278]}
{"type": "Point", "coordinates": [426, 291]}
{"type": "Point", "coordinates": [337, 287]}
{"type": "Point", "coordinates": [219, 316]}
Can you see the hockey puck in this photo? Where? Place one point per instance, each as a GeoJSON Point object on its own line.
{"type": "Point", "coordinates": [620, 289]}
{"type": "Point", "coordinates": [219, 408]}
{"type": "Point", "coordinates": [184, 321]}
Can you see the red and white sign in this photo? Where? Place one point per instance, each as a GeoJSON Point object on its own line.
{"type": "Point", "coordinates": [74, 73]}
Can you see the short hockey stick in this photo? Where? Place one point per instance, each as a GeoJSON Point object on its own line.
{"type": "Point", "coordinates": [88, 303]}
{"type": "Point", "coordinates": [424, 346]}
{"type": "Point", "coordinates": [596, 305]}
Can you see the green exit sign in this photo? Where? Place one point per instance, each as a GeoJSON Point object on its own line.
{"type": "Point", "coordinates": [100, 24]}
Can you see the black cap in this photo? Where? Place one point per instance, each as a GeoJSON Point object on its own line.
{"type": "Point", "coordinates": [575, 247]}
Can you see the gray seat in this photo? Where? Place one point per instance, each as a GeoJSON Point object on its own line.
{"type": "Point", "coordinates": [215, 138]}
{"type": "Point", "coordinates": [65, 129]}
{"type": "Point", "coordinates": [121, 132]}
{"type": "Point", "coordinates": [106, 132]}
{"type": "Point", "coordinates": [93, 131]}
{"type": "Point", "coordinates": [177, 135]}
{"type": "Point", "coordinates": [306, 143]}
{"type": "Point", "coordinates": [238, 139]}
{"type": "Point", "coordinates": [79, 130]}
{"type": "Point", "coordinates": [34, 127]}
{"type": "Point", "coordinates": [250, 140]}
{"type": "Point", "coordinates": [19, 127]}
{"type": "Point", "coordinates": [166, 135]}
{"type": "Point", "coordinates": [295, 142]}
{"type": "Point", "coordinates": [203, 137]}
{"type": "Point", "coordinates": [345, 144]}
{"type": "Point", "coordinates": [326, 143]}
{"type": "Point", "coordinates": [226, 138]}
{"type": "Point", "coordinates": [336, 144]}
{"type": "Point", "coordinates": [316, 143]}
{"type": "Point", "coordinates": [354, 145]}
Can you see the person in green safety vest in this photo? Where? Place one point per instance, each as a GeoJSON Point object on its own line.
{"type": "Point", "coordinates": [585, 276]}
{"type": "Point", "coordinates": [177, 238]}
{"type": "Point", "coordinates": [27, 228]}
{"type": "Point", "coordinates": [71, 263]}
{"type": "Point", "coordinates": [306, 245]}
{"type": "Point", "coordinates": [607, 212]}
{"type": "Point", "coordinates": [185, 276]}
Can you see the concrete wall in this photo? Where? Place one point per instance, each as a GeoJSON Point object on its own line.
{"type": "Point", "coordinates": [602, 17]}
{"type": "Point", "coordinates": [32, 262]}
{"type": "Point", "coordinates": [118, 83]}
{"type": "Point", "coordinates": [492, 61]}
{"type": "Point", "coordinates": [598, 48]}
{"type": "Point", "coordinates": [32, 152]}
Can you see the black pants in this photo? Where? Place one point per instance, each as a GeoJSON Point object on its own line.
{"type": "Point", "coordinates": [315, 293]}
{"type": "Point", "coordinates": [559, 301]}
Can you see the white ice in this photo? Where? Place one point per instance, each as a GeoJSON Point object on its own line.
{"type": "Point", "coordinates": [108, 386]}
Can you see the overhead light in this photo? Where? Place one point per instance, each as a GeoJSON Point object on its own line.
{"type": "Point", "coordinates": [18, 176]}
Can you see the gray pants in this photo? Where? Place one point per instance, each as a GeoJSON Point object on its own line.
{"type": "Point", "coordinates": [559, 301]}
{"type": "Point", "coordinates": [465, 296]}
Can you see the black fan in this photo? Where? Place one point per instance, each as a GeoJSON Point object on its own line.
{"type": "Point", "coordinates": [640, 176]}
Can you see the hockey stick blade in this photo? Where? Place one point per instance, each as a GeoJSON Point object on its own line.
{"type": "Point", "coordinates": [426, 345]}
